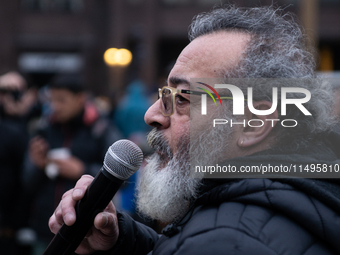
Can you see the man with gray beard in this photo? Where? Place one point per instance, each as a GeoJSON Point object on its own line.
{"type": "Point", "coordinates": [234, 214]}
{"type": "Point", "coordinates": [165, 191]}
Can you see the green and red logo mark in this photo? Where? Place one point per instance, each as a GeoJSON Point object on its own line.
{"type": "Point", "coordinates": [212, 89]}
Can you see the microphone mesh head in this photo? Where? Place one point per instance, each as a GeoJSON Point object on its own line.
{"type": "Point", "coordinates": [123, 159]}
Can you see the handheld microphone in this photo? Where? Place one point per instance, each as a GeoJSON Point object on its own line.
{"type": "Point", "coordinates": [121, 161]}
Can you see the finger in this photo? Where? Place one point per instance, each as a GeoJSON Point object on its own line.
{"type": "Point", "coordinates": [53, 224]}
{"type": "Point", "coordinates": [110, 208]}
{"type": "Point", "coordinates": [104, 234]}
{"type": "Point", "coordinates": [42, 144]}
{"type": "Point", "coordinates": [56, 220]}
{"type": "Point", "coordinates": [84, 248]}
{"type": "Point", "coordinates": [58, 215]}
{"type": "Point", "coordinates": [106, 223]}
{"type": "Point", "coordinates": [67, 205]}
{"type": "Point", "coordinates": [81, 186]}
{"type": "Point", "coordinates": [71, 197]}
{"type": "Point", "coordinates": [38, 144]}
{"type": "Point", "coordinates": [58, 162]}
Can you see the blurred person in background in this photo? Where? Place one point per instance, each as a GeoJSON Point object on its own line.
{"type": "Point", "coordinates": [19, 103]}
{"type": "Point", "coordinates": [12, 150]}
{"type": "Point", "coordinates": [71, 142]}
{"type": "Point", "coordinates": [130, 110]}
{"type": "Point", "coordinates": [129, 118]}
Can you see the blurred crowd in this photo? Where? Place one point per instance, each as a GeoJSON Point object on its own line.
{"type": "Point", "coordinates": [49, 137]}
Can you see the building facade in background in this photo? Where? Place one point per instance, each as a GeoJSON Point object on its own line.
{"type": "Point", "coordinates": [44, 37]}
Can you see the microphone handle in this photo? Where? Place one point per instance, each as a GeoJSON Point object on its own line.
{"type": "Point", "coordinates": [96, 198]}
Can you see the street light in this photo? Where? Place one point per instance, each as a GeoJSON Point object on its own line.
{"type": "Point", "coordinates": [117, 57]}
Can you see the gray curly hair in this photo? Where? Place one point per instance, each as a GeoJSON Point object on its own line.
{"type": "Point", "coordinates": [278, 49]}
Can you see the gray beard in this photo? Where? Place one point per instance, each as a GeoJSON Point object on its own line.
{"type": "Point", "coordinates": [164, 192]}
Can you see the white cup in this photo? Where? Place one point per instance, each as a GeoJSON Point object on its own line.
{"type": "Point", "coordinates": [52, 170]}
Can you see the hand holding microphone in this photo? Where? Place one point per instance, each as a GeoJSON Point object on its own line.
{"type": "Point", "coordinates": [87, 209]}
{"type": "Point", "coordinates": [104, 232]}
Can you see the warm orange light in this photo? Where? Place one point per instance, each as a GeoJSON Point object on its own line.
{"type": "Point", "coordinates": [109, 56]}
{"type": "Point", "coordinates": [117, 57]}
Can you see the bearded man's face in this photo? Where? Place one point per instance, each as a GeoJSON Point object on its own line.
{"type": "Point", "coordinates": [166, 188]}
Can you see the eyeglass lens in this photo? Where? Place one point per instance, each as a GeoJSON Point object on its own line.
{"type": "Point", "coordinates": [166, 101]}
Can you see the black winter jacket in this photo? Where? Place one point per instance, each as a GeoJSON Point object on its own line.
{"type": "Point", "coordinates": [12, 151]}
{"type": "Point", "coordinates": [250, 216]}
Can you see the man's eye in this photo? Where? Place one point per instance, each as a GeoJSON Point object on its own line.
{"type": "Point", "coordinates": [181, 101]}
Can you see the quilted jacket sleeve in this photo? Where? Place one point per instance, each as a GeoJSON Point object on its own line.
{"type": "Point", "coordinates": [240, 229]}
{"type": "Point", "coordinates": [223, 241]}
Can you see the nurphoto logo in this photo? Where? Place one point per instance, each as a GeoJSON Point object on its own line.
{"type": "Point", "coordinates": [239, 99]}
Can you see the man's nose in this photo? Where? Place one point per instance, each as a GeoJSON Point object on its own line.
{"type": "Point", "coordinates": [155, 118]}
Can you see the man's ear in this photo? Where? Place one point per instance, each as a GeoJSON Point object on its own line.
{"type": "Point", "coordinates": [257, 127]}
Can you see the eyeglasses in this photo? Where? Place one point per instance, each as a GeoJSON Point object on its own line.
{"type": "Point", "coordinates": [167, 95]}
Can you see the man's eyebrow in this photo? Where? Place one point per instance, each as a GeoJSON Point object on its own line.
{"type": "Point", "coordinates": [175, 81]}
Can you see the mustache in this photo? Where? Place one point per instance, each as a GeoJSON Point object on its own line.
{"type": "Point", "coordinates": [158, 142]}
